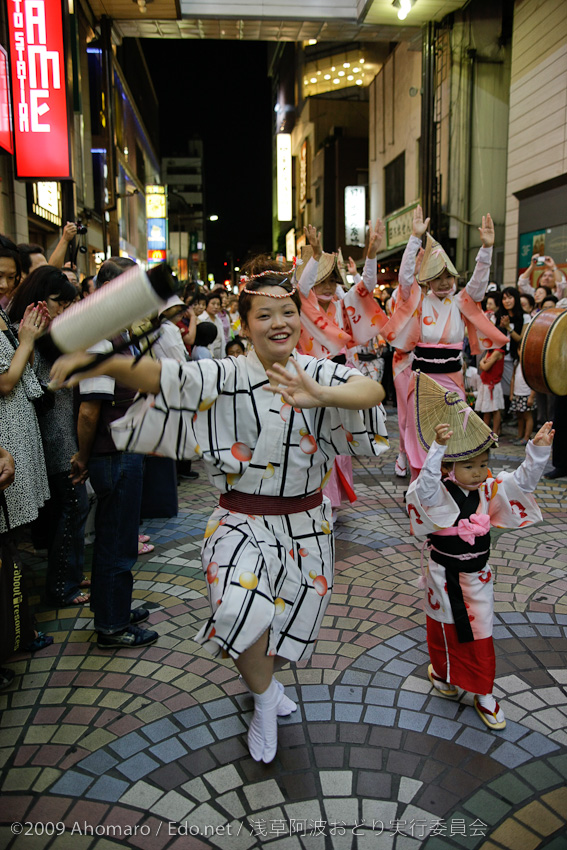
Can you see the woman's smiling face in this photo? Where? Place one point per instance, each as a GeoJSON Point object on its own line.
{"type": "Point", "coordinates": [273, 326]}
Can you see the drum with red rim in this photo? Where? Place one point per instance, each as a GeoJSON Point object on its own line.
{"type": "Point", "coordinates": [543, 352]}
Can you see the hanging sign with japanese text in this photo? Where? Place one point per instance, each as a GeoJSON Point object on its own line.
{"type": "Point", "coordinates": [39, 94]}
{"type": "Point", "coordinates": [355, 215]}
{"type": "Point", "coordinates": [6, 140]}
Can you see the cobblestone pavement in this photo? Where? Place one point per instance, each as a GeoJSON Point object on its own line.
{"type": "Point", "coordinates": [146, 748]}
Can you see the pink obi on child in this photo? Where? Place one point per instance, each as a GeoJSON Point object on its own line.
{"type": "Point", "coordinates": [468, 529]}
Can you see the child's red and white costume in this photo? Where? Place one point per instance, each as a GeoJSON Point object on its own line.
{"type": "Point", "coordinates": [459, 600]}
{"type": "Point", "coordinates": [434, 329]}
{"type": "Point", "coordinates": [352, 319]}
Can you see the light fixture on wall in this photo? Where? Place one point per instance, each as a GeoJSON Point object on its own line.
{"type": "Point", "coordinates": [403, 7]}
{"type": "Point", "coordinates": [142, 5]}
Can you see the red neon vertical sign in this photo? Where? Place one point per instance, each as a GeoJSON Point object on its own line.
{"type": "Point", "coordinates": [6, 140]}
{"type": "Point", "coordinates": [39, 89]}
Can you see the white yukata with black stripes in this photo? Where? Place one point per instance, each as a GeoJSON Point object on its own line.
{"type": "Point", "coordinates": [262, 572]}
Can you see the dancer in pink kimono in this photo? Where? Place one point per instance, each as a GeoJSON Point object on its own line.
{"type": "Point", "coordinates": [454, 503]}
{"type": "Point", "coordinates": [334, 323]}
{"type": "Point", "coordinates": [433, 326]}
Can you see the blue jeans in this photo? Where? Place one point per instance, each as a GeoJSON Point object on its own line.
{"type": "Point", "coordinates": [68, 509]}
{"type": "Point", "coordinates": [117, 482]}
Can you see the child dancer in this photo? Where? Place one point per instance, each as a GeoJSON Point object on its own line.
{"type": "Point", "coordinates": [269, 551]}
{"type": "Point", "coordinates": [453, 502]}
{"type": "Point", "coordinates": [434, 326]}
{"type": "Point", "coordinates": [490, 398]}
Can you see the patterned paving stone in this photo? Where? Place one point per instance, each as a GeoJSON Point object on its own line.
{"type": "Point", "coordinates": [147, 736]}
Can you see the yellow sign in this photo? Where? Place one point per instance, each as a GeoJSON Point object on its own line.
{"type": "Point", "coordinates": [156, 202]}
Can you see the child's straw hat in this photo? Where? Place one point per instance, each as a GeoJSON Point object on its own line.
{"type": "Point", "coordinates": [435, 261]}
{"type": "Point", "coordinates": [433, 405]}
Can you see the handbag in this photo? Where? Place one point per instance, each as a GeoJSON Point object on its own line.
{"type": "Point", "coordinates": [16, 621]}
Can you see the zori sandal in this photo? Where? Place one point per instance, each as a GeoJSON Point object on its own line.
{"type": "Point", "coordinates": [493, 719]}
{"type": "Point", "coordinates": [145, 548]}
{"type": "Point", "coordinates": [443, 688]}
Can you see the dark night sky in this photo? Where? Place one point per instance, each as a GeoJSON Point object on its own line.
{"type": "Point", "coordinates": [220, 90]}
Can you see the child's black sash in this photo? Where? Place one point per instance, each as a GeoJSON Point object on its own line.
{"type": "Point", "coordinates": [448, 552]}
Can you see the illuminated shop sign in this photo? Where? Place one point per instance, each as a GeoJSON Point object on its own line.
{"type": "Point", "coordinates": [47, 202]}
{"type": "Point", "coordinates": [355, 215]}
{"type": "Point", "coordinates": [38, 89]}
{"type": "Point", "coordinates": [156, 223]}
{"type": "Point", "coordinates": [6, 139]}
{"type": "Point", "coordinates": [283, 142]}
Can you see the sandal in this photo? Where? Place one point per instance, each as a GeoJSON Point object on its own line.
{"type": "Point", "coordinates": [6, 677]}
{"type": "Point", "coordinates": [41, 641]}
{"type": "Point", "coordinates": [449, 691]}
{"type": "Point", "coordinates": [145, 548]}
{"type": "Point", "coordinates": [143, 538]}
{"type": "Point", "coordinates": [76, 598]}
{"type": "Point", "coordinates": [490, 718]}
{"type": "Point", "coordinates": [85, 582]}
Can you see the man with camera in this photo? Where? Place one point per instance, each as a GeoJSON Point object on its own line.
{"type": "Point", "coordinates": [551, 277]}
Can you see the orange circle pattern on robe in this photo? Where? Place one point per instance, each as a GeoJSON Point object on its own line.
{"type": "Point", "coordinates": [212, 572]}
{"type": "Point", "coordinates": [308, 445]}
{"type": "Point", "coordinates": [320, 585]}
{"type": "Point", "coordinates": [241, 452]}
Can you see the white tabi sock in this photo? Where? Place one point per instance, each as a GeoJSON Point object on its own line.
{"type": "Point", "coordinates": [263, 730]}
{"type": "Point", "coordinates": [285, 705]}
{"type": "Point", "coordinates": [488, 701]}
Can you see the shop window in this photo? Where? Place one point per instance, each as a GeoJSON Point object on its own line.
{"type": "Point", "coordinates": [394, 184]}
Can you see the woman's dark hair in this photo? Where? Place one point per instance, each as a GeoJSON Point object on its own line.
{"type": "Point", "coordinates": [212, 295]}
{"type": "Point", "coordinates": [516, 319]}
{"type": "Point", "coordinates": [10, 249]}
{"type": "Point", "coordinates": [530, 299]}
{"type": "Point", "coordinates": [237, 340]}
{"type": "Point", "coordinates": [43, 283]}
{"type": "Point", "coordinates": [205, 333]}
{"type": "Point", "coordinates": [496, 297]}
{"type": "Point", "coordinates": [550, 298]}
{"type": "Point", "coordinates": [257, 265]}
{"type": "Point", "coordinates": [199, 296]}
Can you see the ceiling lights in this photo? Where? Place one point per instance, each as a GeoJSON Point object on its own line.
{"type": "Point", "coordinates": [340, 70]}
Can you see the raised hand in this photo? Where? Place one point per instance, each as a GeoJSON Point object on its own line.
{"type": "Point", "coordinates": [299, 390]}
{"type": "Point", "coordinates": [486, 231]}
{"type": "Point", "coordinates": [375, 238]}
{"type": "Point", "coordinates": [544, 436]}
{"type": "Point", "coordinates": [351, 267]}
{"type": "Point", "coordinates": [314, 240]}
{"type": "Point", "coordinates": [443, 434]}
{"type": "Point", "coordinates": [419, 225]}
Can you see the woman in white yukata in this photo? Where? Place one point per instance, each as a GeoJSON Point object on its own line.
{"type": "Point", "coordinates": [268, 427]}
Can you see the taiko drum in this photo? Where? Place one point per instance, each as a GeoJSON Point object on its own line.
{"type": "Point", "coordinates": [543, 352]}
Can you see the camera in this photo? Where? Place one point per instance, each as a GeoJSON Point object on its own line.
{"type": "Point", "coordinates": [81, 228]}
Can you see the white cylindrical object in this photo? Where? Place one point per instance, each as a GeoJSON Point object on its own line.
{"type": "Point", "coordinates": [107, 312]}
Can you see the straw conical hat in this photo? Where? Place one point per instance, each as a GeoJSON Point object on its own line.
{"type": "Point", "coordinates": [326, 264]}
{"type": "Point", "coordinates": [433, 405]}
{"type": "Point", "coordinates": [435, 261]}
{"type": "Point", "coordinates": [341, 269]}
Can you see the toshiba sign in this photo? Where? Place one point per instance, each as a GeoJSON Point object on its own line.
{"type": "Point", "coordinates": [38, 89]}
